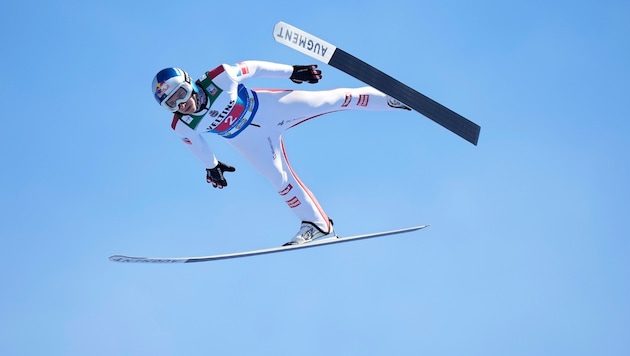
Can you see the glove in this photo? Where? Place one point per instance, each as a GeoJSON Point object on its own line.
{"type": "Point", "coordinates": [215, 175]}
{"type": "Point", "coordinates": [308, 73]}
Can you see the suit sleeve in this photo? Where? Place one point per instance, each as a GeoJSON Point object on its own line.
{"type": "Point", "coordinates": [258, 69]}
{"type": "Point", "coordinates": [195, 143]}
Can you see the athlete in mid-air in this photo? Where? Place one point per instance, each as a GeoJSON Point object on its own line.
{"type": "Point", "coordinates": [253, 120]}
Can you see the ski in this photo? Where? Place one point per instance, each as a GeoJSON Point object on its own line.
{"type": "Point", "coordinates": [326, 52]}
{"type": "Point", "coordinates": [317, 243]}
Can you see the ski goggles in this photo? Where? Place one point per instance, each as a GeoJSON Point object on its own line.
{"type": "Point", "coordinates": [181, 94]}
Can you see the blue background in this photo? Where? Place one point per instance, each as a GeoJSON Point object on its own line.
{"type": "Point", "coordinates": [527, 253]}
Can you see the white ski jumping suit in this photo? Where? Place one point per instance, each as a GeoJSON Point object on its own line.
{"type": "Point", "coordinates": [253, 121]}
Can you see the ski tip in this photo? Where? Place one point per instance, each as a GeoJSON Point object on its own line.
{"type": "Point", "coordinates": [128, 259]}
{"type": "Point", "coordinates": [303, 41]}
{"type": "Point", "coordinates": [121, 258]}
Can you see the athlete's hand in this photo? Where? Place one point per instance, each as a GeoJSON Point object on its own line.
{"type": "Point", "coordinates": [308, 74]}
{"type": "Point", "coordinates": [215, 175]}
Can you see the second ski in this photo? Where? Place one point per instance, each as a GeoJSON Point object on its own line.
{"type": "Point", "coordinates": [328, 53]}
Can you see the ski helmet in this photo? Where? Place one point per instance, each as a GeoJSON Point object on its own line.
{"type": "Point", "coordinates": [171, 87]}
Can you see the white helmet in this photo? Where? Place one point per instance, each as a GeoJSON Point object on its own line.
{"type": "Point", "coordinates": [171, 87]}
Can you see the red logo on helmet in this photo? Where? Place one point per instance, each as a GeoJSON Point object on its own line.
{"type": "Point", "coordinates": [161, 89]}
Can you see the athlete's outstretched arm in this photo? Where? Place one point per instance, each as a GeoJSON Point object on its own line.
{"type": "Point", "coordinates": [253, 69]}
{"type": "Point", "coordinates": [196, 144]}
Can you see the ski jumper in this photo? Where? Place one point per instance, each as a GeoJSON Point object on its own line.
{"type": "Point", "coordinates": [253, 120]}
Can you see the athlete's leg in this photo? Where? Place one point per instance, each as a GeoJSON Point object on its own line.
{"type": "Point", "coordinates": [287, 108]}
{"type": "Point", "coordinates": [265, 151]}
{"type": "Point", "coordinates": [261, 143]}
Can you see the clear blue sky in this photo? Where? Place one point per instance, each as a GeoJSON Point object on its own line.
{"type": "Point", "coordinates": [527, 253]}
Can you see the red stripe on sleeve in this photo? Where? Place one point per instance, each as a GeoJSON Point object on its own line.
{"type": "Point", "coordinates": [216, 71]}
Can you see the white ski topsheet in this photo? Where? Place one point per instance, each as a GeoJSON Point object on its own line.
{"type": "Point", "coordinates": [316, 243]}
{"type": "Point", "coordinates": [304, 42]}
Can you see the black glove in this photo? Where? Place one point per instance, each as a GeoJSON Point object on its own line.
{"type": "Point", "coordinates": [215, 175]}
{"type": "Point", "coordinates": [308, 73]}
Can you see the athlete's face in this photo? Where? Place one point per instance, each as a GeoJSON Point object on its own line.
{"type": "Point", "coordinates": [188, 107]}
